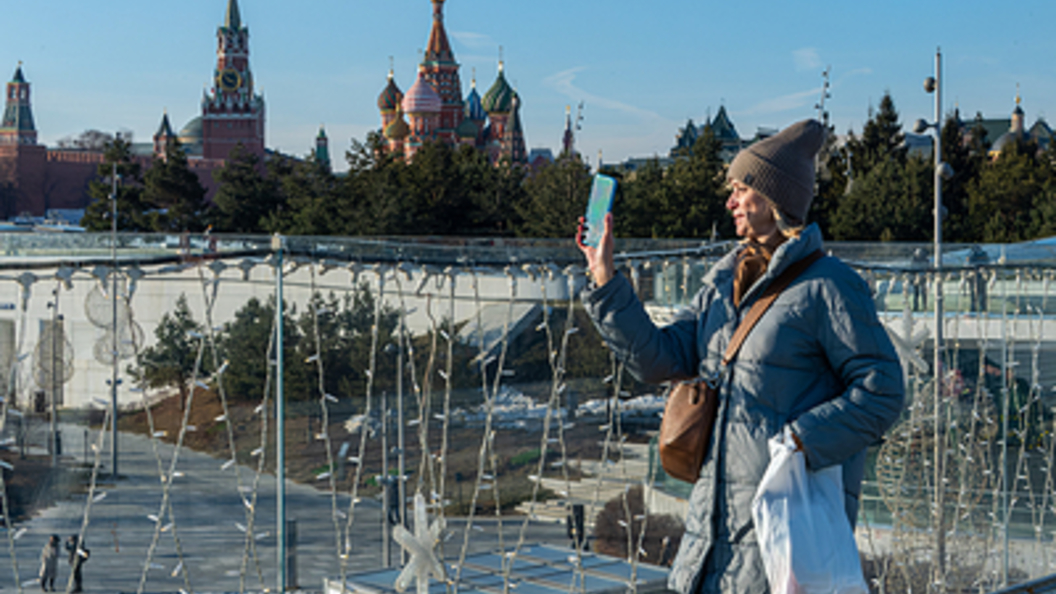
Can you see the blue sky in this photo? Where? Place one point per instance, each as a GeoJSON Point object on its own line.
{"type": "Point", "coordinates": [642, 69]}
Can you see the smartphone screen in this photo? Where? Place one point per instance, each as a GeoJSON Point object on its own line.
{"type": "Point", "coordinates": [601, 194]}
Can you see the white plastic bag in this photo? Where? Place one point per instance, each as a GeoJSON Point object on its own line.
{"type": "Point", "coordinates": [803, 532]}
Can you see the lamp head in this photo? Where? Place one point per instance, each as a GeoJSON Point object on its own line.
{"type": "Point", "coordinates": [929, 84]}
{"type": "Point", "coordinates": [920, 127]}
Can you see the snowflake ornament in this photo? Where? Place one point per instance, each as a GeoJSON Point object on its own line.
{"type": "Point", "coordinates": [421, 547]}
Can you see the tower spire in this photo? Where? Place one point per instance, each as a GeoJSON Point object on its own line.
{"type": "Point", "coordinates": [233, 20]}
{"type": "Point", "coordinates": [438, 49]}
{"type": "Point", "coordinates": [568, 140]}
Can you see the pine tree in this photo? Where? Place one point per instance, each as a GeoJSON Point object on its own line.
{"type": "Point", "coordinates": [310, 192]}
{"type": "Point", "coordinates": [890, 202]}
{"type": "Point", "coordinates": [245, 196]}
{"type": "Point", "coordinates": [966, 159]}
{"type": "Point", "coordinates": [555, 197]}
{"type": "Point", "coordinates": [687, 200]}
{"type": "Point", "coordinates": [694, 198]}
{"type": "Point", "coordinates": [171, 361]}
{"type": "Point", "coordinates": [1003, 198]}
{"type": "Point", "coordinates": [131, 209]}
{"type": "Point", "coordinates": [881, 139]}
{"type": "Point", "coordinates": [174, 192]}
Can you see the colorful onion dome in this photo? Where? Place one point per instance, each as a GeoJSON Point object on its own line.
{"type": "Point", "coordinates": [474, 108]}
{"type": "Point", "coordinates": [499, 98]}
{"type": "Point", "coordinates": [390, 98]}
{"type": "Point", "coordinates": [422, 98]}
{"type": "Point", "coordinates": [467, 129]}
{"type": "Point", "coordinates": [398, 128]}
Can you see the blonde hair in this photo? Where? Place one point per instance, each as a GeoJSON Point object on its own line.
{"type": "Point", "coordinates": [786, 224]}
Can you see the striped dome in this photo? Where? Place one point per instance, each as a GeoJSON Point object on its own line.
{"type": "Point", "coordinates": [499, 98]}
{"type": "Point", "coordinates": [422, 98]}
{"type": "Point", "coordinates": [390, 98]}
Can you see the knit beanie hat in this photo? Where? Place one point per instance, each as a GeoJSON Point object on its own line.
{"type": "Point", "coordinates": [781, 167]}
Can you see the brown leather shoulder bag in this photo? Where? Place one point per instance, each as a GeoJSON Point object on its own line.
{"type": "Point", "coordinates": [689, 415]}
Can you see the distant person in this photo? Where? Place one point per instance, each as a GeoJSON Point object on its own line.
{"type": "Point", "coordinates": [49, 561]}
{"type": "Point", "coordinates": [819, 364]}
{"type": "Point", "coordinates": [78, 555]}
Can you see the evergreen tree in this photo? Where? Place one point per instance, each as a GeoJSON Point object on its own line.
{"type": "Point", "coordinates": [1002, 199]}
{"type": "Point", "coordinates": [832, 180]}
{"type": "Point", "coordinates": [881, 139]}
{"type": "Point", "coordinates": [688, 200]}
{"type": "Point", "coordinates": [173, 191]}
{"type": "Point", "coordinates": [131, 209]}
{"type": "Point", "coordinates": [310, 192]}
{"type": "Point", "coordinates": [245, 343]}
{"type": "Point", "coordinates": [694, 200]}
{"type": "Point", "coordinates": [245, 196]}
{"type": "Point", "coordinates": [636, 198]}
{"type": "Point", "coordinates": [966, 159]}
{"type": "Point", "coordinates": [171, 360]}
{"type": "Point", "coordinates": [891, 202]}
{"type": "Point", "coordinates": [555, 197]}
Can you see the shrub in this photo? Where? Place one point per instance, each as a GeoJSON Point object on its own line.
{"type": "Point", "coordinates": [663, 532]}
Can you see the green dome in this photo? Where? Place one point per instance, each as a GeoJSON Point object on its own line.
{"type": "Point", "coordinates": [467, 129]}
{"type": "Point", "coordinates": [192, 132]}
{"type": "Point", "coordinates": [499, 98]}
{"type": "Point", "coordinates": [397, 129]}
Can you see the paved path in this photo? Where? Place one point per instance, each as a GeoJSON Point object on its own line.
{"type": "Point", "coordinates": [207, 507]}
{"type": "Point", "coordinates": [599, 485]}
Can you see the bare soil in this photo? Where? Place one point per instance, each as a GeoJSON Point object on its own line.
{"type": "Point", "coordinates": [517, 450]}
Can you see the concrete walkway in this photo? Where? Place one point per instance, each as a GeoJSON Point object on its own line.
{"type": "Point", "coordinates": [599, 485]}
{"type": "Point", "coordinates": [208, 511]}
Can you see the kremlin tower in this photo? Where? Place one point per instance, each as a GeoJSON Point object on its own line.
{"type": "Point", "coordinates": [436, 111]}
{"type": "Point", "coordinates": [17, 126]}
{"type": "Point", "coordinates": [232, 113]}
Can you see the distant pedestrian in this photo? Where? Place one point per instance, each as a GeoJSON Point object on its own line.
{"type": "Point", "coordinates": [78, 555]}
{"type": "Point", "coordinates": [49, 560]}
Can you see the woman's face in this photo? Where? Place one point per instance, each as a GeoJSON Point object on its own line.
{"type": "Point", "coordinates": [752, 216]}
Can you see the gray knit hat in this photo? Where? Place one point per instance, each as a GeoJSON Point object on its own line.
{"type": "Point", "coordinates": [781, 167]}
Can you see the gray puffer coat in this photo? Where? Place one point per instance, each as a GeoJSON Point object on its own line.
{"type": "Point", "coordinates": [819, 359]}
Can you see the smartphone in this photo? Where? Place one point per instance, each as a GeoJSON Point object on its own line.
{"type": "Point", "coordinates": [601, 194]}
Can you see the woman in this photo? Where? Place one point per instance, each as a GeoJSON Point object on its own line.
{"type": "Point", "coordinates": [49, 560]}
{"type": "Point", "coordinates": [78, 555]}
{"type": "Point", "coordinates": [818, 362]}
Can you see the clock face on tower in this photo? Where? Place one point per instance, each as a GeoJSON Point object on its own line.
{"type": "Point", "coordinates": [229, 80]}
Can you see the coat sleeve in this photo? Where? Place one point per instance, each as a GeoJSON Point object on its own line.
{"type": "Point", "coordinates": [653, 355]}
{"type": "Point", "coordinates": [861, 354]}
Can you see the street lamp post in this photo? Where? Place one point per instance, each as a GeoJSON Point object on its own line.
{"type": "Point", "coordinates": [933, 85]}
{"type": "Point", "coordinates": [278, 245]}
{"type": "Point", "coordinates": [56, 318]}
{"type": "Point", "coordinates": [113, 300]}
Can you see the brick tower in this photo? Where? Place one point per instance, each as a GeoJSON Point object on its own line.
{"type": "Point", "coordinates": [440, 70]}
{"type": "Point", "coordinates": [231, 112]}
{"type": "Point", "coordinates": [17, 126]}
{"type": "Point", "coordinates": [22, 160]}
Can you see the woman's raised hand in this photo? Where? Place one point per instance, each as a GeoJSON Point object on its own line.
{"type": "Point", "coordinates": [599, 259]}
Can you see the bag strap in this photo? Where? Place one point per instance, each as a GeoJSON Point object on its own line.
{"type": "Point", "coordinates": [765, 301]}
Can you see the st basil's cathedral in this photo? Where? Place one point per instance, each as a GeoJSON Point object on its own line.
{"type": "Point", "coordinates": [433, 109]}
